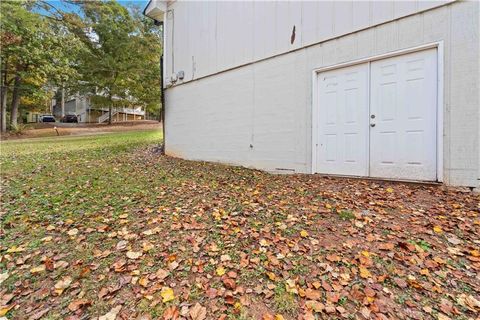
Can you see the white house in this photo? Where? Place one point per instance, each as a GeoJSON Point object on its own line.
{"type": "Point", "coordinates": [386, 89]}
{"type": "Point", "coordinates": [81, 106]}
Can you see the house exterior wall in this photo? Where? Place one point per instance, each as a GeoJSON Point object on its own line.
{"type": "Point", "coordinates": [82, 109]}
{"type": "Point", "coordinates": [71, 107]}
{"type": "Point", "coordinates": [260, 114]}
{"type": "Point", "coordinates": [32, 117]}
{"type": "Point", "coordinates": [131, 117]}
{"type": "Point", "coordinates": [91, 116]}
{"type": "Point", "coordinates": [205, 37]}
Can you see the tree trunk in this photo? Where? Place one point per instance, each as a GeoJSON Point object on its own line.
{"type": "Point", "coordinates": [3, 109]}
{"type": "Point", "coordinates": [110, 113]}
{"type": "Point", "coordinates": [15, 101]}
{"type": "Point", "coordinates": [63, 102]}
{"type": "Point", "coordinates": [4, 94]}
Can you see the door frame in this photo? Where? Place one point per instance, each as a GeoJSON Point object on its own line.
{"type": "Point", "coordinates": [439, 117]}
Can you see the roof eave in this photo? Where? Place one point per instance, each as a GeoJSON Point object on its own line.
{"type": "Point", "coordinates": [155, 10]}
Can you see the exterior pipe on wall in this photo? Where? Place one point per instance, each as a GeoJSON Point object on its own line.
{"type": "Point", "coordinates": [162, 91]}
{"type": "Point", "coordinates": [162, 96]}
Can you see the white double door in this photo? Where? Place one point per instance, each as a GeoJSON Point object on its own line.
{"type": "Point", "coordinates": [378, 118]}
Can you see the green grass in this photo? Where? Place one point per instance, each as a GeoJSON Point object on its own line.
{"type": "Point", "coordinates": [346, 215]}
{"type": "Point", "coordinates": [284, 302]}
{"type": "Point", "coordinates": [110, 142]}
{"type": "Point", "coordinates": [72, 175]}
{"type": "Point", "coordinates": [422, 244]}
{"type": "Point", "coordinates": [50, 186]}
{"type": "Point", "coordinates": [70, 182]}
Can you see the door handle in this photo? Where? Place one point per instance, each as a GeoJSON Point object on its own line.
{"type": "Point", "coordinates": [372, 124]}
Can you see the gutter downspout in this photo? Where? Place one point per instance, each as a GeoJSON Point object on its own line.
{"type": "Point", "coordinates": [162, 94]}
{"type": "Point", "coordinates": [162, 91]}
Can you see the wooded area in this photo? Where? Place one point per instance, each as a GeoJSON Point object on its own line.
{"type": "Point", "coordinates": [102, 49]}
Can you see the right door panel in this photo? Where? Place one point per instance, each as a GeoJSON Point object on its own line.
{"type": "Point", "coordinates": [403, 113]}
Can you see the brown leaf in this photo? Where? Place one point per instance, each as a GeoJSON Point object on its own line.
{"type": "Point", "coordinates": [229, 283]}
{"type": "Point", "coordinates": [6, 298]}
{"type": "Point", "coordinates": [119, 266]}
{"type": "Point", "coordinates": [62, 284]}
{"type": "Point", "coordinates": [143, 282]}
{"type": "Point", "coordinates": [333, 297]}
{"type": "Point", "coordinates": [386, 246]}
{"type": "Point", "coordinates": [369, 292]}
{"type": "Point", "coordinates": [308, 315]}
{"type": "Point", "coordinates": [4, 309]}
{"type": "Point", "coordinates": [329, 309]}
{"type": "Point", "coordinates": [315, 306]}
{"type": "Point", "coordinates": [268, 316]}
{"type": "Point", "coordinates": [365, 312]}
{"type": "Point", "coordinates": [134, 254]}
{"type": "Point", "coordinates": [78, 304]}
{"type": "Point", "coordinates": [171, 313]}
{"type": "Point", "coordinates": [333, 258]}
{"type": "Point", "coordinates": [229, 300]}
{"type": "Point", "coordinates": [446, 306]}
{"type": "Point", "coordinates": [39, 314]}
{"type": "Point", "coordinates": [313, 294]}
{"type": "Point", "coordinates": [472, 302]}
{"type": "Point", "coordinates": [112, 314]}
{"type": "Point", "coordinates": [326, 286]}
{"type": "Point", "coordinates": [161, 274]}
{"type": "Point", "coordinates": [341, 309]}
{"type": "Point", "coordinates": [212, 293]}
{"type": "Point", "coordinates": [198, 312]}
{"type": "Point", "coordinates": [49, 264]}
{"type": "Point", "coordinates": [364, 273]}
{"type": "Point", "coordinates": [103, 292]}
{"type": "Point", "coordinates": [400, 282]}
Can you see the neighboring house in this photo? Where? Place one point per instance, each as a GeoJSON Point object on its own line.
{"type": "Point", "coordinates": [32, 116]}
{"type": "Point", "coordinates": [86, 112]}
{"type": "Point", "coordinates": [384, 89]}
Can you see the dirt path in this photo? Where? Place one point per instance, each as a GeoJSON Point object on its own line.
{"type": "Point", "coordinates": [67, 129]}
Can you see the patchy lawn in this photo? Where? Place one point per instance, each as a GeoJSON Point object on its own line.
{"type": "Point", "coordinates": [43, 130]}
{"type": "Point", "coordinates": [103, 225]}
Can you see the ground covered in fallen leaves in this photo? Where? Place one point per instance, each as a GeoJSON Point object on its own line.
{"type": "Point", "coordinates": [104, 227]}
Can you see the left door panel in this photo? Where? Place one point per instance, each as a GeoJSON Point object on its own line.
{"type": "Point", "coordinates": [343, 121]}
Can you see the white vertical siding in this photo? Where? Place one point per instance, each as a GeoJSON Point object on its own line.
{"type": "Point", "coordinates": [262, 46]}
{"type": "Point", "coordinates": [382, 11]}
{"type": "Point", "coordinates": [309, 21]}
{"type": "Point", "coordinates": [361, 15]}
{"type": "Point", "coordinates": [343, 11]}
{"type": "Point", "coordinates": [404, 8]}
{"type": "Point", "coordinates": [287, 16]}
{"type": "Point", "coordinates": [211, 36]}
{"type": "Point", "coordinates": [325, 18]}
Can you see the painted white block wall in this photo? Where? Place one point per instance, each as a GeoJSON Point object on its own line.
{"type": "Point", "coordinates": [259, 115]}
